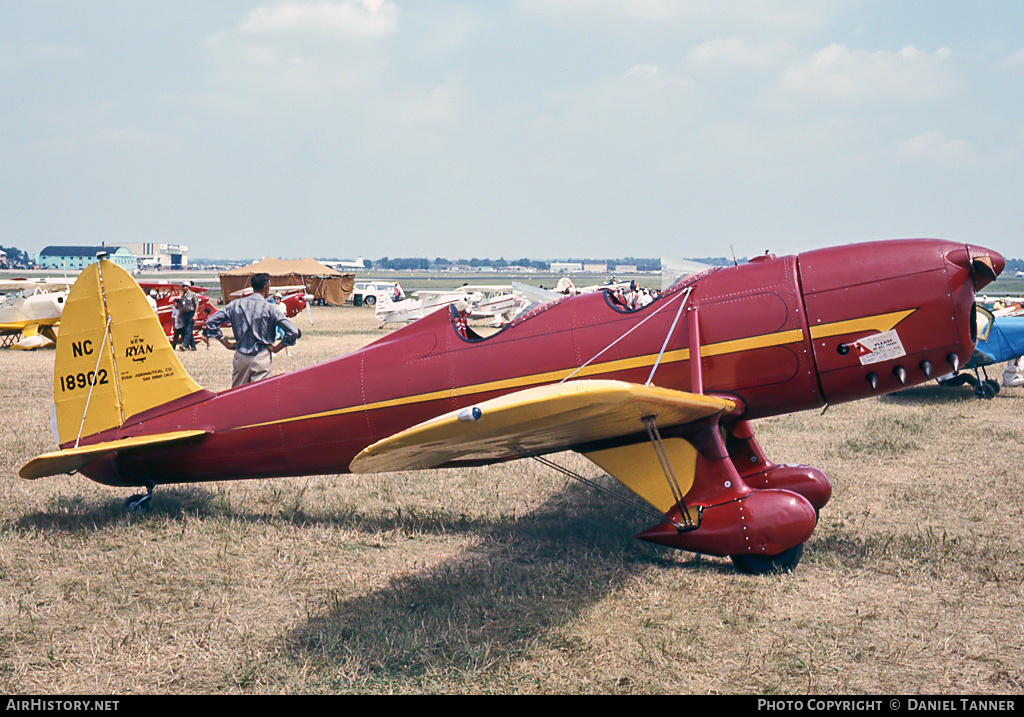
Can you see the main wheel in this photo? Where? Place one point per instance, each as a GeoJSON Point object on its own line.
{"type": "Point", "coordinates": [984, 390]}
{"type": "Point", "coordinates": [784, 562]}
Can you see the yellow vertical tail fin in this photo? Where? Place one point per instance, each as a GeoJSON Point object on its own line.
{"type": "Point", "coordinates": [113, 359]}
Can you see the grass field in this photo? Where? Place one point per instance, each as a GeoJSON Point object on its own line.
{"type": "Point", "coordinates": [510, 579]}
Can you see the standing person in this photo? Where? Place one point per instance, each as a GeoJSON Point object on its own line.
{"type": "Point", "coordinates": [1013, 374]}
{"type": "Point", "coordinates": [176, 322]}
{"type": "Point", "coordinates": [277, 302]}
{"type": "Point", "coordinates": [189, 303]}
{"type": "Point", "coordinates": [254, 321]}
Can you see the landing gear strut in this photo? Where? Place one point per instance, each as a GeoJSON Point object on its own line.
{"type": "Point", "coordinates": [983, 387]}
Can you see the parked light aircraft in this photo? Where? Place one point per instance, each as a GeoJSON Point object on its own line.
{"type": "Point", "coordinates": [418, 305]}
{"type": "Point", "coordinates": [30, 311]}
{"type": "Point", "coordinates": [495, 303]}
{"type": "Point", "coordinates": [293, 299]}
{"type": "Point", "coordinates": [498, 304]}
{"type": "Point", "coordinates": [1000, 340]}
{"type": "Point", "coordinates": [662, 398]}
{"type": "Point", "coordinates": [166, 292]}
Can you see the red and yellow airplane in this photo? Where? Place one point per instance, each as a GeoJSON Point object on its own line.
{"type": "Point", "coordinates": [661, 398]}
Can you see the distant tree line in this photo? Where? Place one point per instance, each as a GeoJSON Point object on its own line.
{"type": "Point", "coordinates": [501, 263]}
{"type": "Point", "coordinates": [642, 264]}
{"type": "Point", "coordinates": [16, 258]}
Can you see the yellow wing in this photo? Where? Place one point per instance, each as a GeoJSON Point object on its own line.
{"type": "Point", "coordinates": [537, 420]}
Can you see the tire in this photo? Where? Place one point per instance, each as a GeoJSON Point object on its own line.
{"type": "Point", "coordinates": [139, 503]}
{"type": "Point", "coordinates": [984, 390]}
{"type": "Point", "coordinates": [369, 300]}
{"type": "Point", "coordinates": [784, 562]}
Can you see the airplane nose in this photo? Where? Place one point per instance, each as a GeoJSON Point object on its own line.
{"type": "Point", "coordinates": [983, 265]}
{"type": "Point", "coordinates": [986, 265]}
{"type": "Point", "coordinates": [917, 293]}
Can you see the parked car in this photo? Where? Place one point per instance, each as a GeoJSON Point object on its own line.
{"type": "Point", "coordinates": [365, 292]}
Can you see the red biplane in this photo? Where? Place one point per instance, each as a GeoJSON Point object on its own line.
{"type": "Point", "coordinates": [166, 292]}
{"type": "Point", "coordinates": [661, 397]}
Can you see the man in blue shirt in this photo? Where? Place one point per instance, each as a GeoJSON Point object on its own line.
{"type": "Point", "coordinates": [254, 322]}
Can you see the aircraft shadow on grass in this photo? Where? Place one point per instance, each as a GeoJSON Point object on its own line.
{"type": "Point", "coordinates": [522, 578]}
{"type": "Point", "coordinates": [928, 395]}
{"type": "Point", "coordinates": [489, 603]}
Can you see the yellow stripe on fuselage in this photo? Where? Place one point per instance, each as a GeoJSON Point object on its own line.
{"type": "Point", "coordinates": [881, 322]}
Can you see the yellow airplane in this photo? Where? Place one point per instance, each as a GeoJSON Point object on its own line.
{"type": "Point", "coordinates": [30, 312]}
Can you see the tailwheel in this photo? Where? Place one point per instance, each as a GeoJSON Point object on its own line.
{"type": "Point", "coordinates": [784, 562]}
{"type": "Point", "coordinates": [140, 503]}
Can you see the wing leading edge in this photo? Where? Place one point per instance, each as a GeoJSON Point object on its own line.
{"type": "Point", "coordinates": [538, 420]}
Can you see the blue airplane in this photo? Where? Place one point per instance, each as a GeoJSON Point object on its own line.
{"type": "Point", "coordinates": [1000, 339]}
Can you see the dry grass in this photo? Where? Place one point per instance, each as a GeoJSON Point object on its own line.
{"type": "Point", "coordinates": [508, 579]}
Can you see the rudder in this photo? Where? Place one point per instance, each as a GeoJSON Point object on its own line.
{"type": "Point", "coordinates": [113, 359]}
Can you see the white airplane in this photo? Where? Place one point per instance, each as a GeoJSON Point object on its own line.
{"type": "Point", "coordinates": [498, 303]}
{"type": "Point", "coordinates": [418, 305]}
{"type": "Point", "coordinates": [30, 312]}
{"type": "Point", "coordinates": [566, 287]}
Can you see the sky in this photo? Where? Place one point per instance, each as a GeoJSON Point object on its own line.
{"type": "Point", "coordinates": [548, 129]}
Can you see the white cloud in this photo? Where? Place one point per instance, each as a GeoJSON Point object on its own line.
{"type": "Point", "coordinates": [350, 19]}
{"type": "Point", "coordinates": [638, 101]}
{"type": "Point", "coordinates": [934, 146]}
{"type": "Point", "coordinates": [456, 26]}
{"type": "Point", "coordinates": [17, 58]}
{"type": "Point", "coordinates": [652, 10]}
{"type": "Point", "coordinates": [839, 75]}
{"type": "Point", "coordinates": [775, 17]}
{"type": "Point", "coordinates": [738, 53]}
{"type": "Point", "coordinates": [308, 52]}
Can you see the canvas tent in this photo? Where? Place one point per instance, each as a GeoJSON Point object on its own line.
{"type": "Point", "coordinates": [324, 283]}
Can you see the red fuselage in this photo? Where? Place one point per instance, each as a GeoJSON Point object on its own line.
{"type": "Point", "coordinates": [781, 334]}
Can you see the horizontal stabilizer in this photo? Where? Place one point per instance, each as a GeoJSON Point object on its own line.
{"type": "Point", "coordinates": [72, 459]}
{"type": "Point", "coordinates": [538, 420]}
